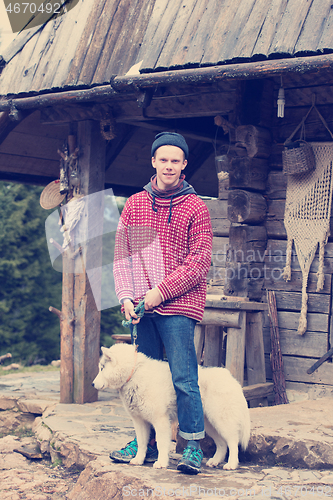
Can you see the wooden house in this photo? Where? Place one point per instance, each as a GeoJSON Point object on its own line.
{"type": "Point", "coordinates": [113, 73]}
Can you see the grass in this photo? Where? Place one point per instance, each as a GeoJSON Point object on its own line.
{"type": "Point", "coordinates": [21, 432]}
{"type": "Point", "coordinates": [30, 369]}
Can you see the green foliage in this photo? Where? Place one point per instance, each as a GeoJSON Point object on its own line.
{"type": "Point", "coordinates": [29, 284]}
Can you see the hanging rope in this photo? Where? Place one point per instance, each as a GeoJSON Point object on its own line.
{"type": "Point", "coordinates": [139, 311]}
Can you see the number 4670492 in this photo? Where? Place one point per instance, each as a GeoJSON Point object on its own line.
{"type": "Point", "coordinates": [32, 8]}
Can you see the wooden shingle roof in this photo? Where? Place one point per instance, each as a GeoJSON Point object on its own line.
{"type": "Point", "coordinates": [205, 32]}
{"type": "Point", "coordinates": [99, 39]}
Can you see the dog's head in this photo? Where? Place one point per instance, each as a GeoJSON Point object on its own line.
{"type": "Point", "coordinates": [115, 366]}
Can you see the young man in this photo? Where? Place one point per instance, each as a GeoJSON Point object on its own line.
{"type": "Point", "coordinates": [163, 253]}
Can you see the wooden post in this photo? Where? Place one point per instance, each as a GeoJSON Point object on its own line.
{"type": "Point", "coordinates": [67, 330]}
{"type": "Point", "coordinates": [220, 317]}
{"type": "Point", "coordinates": [255, 354]}
{"type": "Point", "coordinates": [245, 207]}
{"type": "Point", "coordinates": [244, 274]}
{"type": "Point", "coordinates": [248, 173]}
{"type": "Point", "coordinates": [235, 355]}
{"type": "Point", "coordinates": [256, 140]}
{"type": "Point", "coordinates": [87, 316]}
{"type": "Point", "coordinates": [213, 345]}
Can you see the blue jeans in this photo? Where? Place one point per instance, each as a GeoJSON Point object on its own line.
{"type": "Point", "coordinates": [176, 333]}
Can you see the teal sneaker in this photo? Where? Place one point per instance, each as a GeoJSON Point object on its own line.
{"type": "Point", "coordinates": [126, 454]}
{"type": "Point", "coordinates": [191, 460]}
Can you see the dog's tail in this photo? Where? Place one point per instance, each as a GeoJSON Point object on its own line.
{"type": "Point", "coordinates": [245, 433]}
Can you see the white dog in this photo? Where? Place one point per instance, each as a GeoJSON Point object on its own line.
{"type": "Point", "coordinates": [147, 392]}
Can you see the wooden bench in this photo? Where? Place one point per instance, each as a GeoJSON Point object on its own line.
{"type": "Point", "coordinates": [242, 321]}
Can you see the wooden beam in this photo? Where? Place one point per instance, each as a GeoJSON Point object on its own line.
{"type": "Point", "coordinates": [199, 338]}
{"type": "Point", "coordinates": [161, 125]}
{"type": "Point", "coordinates": [129, 84]}
{"type": "Point", "coordinates": [213, 345]}
{"type": "Point", "coordinates": [258, 391]}
{"type": "Point", "coordinates": [87, 316]}
{"type": "Point", "coordinates": [35, 180]}
{"type": "Point", "coordinates": [124, 133]}
{"type": "Point", "coordinates": [241, 71]}
{"type": "Point", "coordinates": [235, 355]}
{"type": "Point", "coordinates": [174, 106]}
{"type": "Point", "coordinates": [8, 124]}
{"type": "Point", "coordinates": [198, 155]}
{"type": "Point", "coordinates": [67, 330]}
{"type": "Point", "coordinates": [65, 114]}
{"type": "Point", "coordinates": [255, 355]}
{"type": "Point", "coordinates": [220, 317]}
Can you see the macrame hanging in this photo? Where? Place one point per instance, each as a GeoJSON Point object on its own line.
{"type": "Point", "coordinates": [307, 219]}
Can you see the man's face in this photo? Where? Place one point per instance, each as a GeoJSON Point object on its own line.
{"type": "Point", "coordinates": [169, 162]}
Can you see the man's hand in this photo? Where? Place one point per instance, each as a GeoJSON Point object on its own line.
{"type": "Point", "coordinates": [152, 299]}
{"type": "Point", "coordinates": [129, 311]}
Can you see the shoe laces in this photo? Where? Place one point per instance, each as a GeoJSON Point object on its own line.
{"type": "Point", "coordinates": [131, 447]}
{"type": "Point", "coordinates": [193, 453]}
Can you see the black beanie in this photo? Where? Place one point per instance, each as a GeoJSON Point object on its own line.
{"type": "Point", "coordinates": [169, 139]}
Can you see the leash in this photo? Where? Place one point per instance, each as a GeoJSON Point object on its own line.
{"type": "Point", "coordinates": [135, 358]}
{"type": "Point", "coordinates": [139, 311]}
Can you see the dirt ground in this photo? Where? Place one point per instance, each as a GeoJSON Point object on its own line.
{"type": "Point", "coordinates": [31, 479]}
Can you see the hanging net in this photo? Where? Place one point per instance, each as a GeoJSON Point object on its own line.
{"type": "Point", "coordinates": [307, 219]}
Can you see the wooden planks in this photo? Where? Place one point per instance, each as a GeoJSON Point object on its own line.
{"type": "Point", "coordinates": [218, 210]}
{"type": "Point", "coordinates": [290, 27]}
{"type": "Point", "coordinates": [92, 51]}
{"type": "Point", "coordinates": [245, 26]}
{"type": "Point", "coordinates": [177, 30]}
{"type": "Point", "coordinates": [235, 354]}
{"type": "Point", "coordinates": [295, 369]}
{"type": "Point", "coordinates": [97, 40]}
{"type": "Point", "coordinates": [326, 36]}
{"type": "Point", "coordinates": [23, 165]}
{"type": "Point", "coordinates": [313, 27]}
{"type": "Point", "coordinates": [123, 59]}
{"type": "Point", "coordinates": [292, 301]}
{"type": "Point", "coordinates": [213, 345]}
{"type": "Point", "coordinates": [66, 51]}
{"type": "Point", "coordinates": [255, 355]}
{"type": "Point", "coordinates": [269, 26]}
{"type": "Point", "coordinates": [317, 322]}
{"type": "Point", "coordinates": [256, 391]}
{"type": "Point", "coordinates": [215, 29]}
{"type": "Point", "coordinates": [202, 33]}
{"type": "Point", "coordinates": [158, 30]}
{"type": "Point", "coordinates": [311, 344]}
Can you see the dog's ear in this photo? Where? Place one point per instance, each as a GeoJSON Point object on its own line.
{"type": "Point", "coordinates": [106, 352]}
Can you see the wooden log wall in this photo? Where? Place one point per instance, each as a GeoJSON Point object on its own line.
{"type": "Point", "coordinates": [299, 352]}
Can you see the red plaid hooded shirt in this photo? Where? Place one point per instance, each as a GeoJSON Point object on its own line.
{"type": "Point", "coordinates": [173, 256]}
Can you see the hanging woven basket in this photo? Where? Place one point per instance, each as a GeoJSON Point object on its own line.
{"type": "Point", "coordinates": [298, 157]}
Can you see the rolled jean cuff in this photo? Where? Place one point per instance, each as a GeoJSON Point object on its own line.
{"type": "Point", "coordinates": [191, 435]}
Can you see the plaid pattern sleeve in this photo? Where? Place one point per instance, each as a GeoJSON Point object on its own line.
{"type": "Point", "coordinates": [122, 266]}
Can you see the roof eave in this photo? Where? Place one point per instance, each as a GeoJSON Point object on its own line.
{"type": "Point", "coordinates": [131, 84]}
